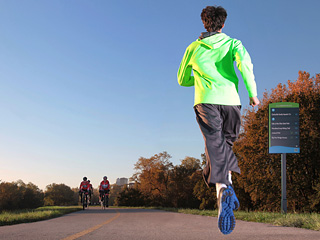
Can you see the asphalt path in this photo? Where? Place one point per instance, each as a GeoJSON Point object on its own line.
{"type": "Point", "coordinates": [140, 224]}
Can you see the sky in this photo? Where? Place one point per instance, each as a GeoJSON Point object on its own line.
{"type": "Point", "coordinates": [89, 87]}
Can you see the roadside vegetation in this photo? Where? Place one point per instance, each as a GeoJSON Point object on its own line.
{"type": "Point", "coordinates": [299, 220]}
{"type": "Point", "coordinates": [38, 214]}
{"type": "Point", "coordinates": [309, 221]}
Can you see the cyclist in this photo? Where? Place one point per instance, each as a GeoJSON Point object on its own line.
{"type": "Point", "coordinates": [84, 187]}
{"type": "Point", "coordinates": [90, 190]}
{"type": "Point", "coordinates": [104, 188]}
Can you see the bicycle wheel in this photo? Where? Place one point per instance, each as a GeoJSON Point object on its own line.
{"type": "Point", "coordinates": [104, 201]}
{"type": "Point", "coordinates": [84, 201]}
{"type": "Point", "coordinates": [87, 201]}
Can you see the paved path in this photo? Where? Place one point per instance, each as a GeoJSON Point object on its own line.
{"type": "Point", "coordinates": [140, 224]}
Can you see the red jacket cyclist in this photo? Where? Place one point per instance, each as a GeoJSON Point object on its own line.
{"type": "Point", "coordinates": [104, 187]}
{"type": "Point", "coordinates": [84, 187]}
{"type": "Point", "coordinates": [90, 190]}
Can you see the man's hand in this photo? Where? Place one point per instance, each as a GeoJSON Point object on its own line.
{"type": "Point", "coordinates": [254, 101]}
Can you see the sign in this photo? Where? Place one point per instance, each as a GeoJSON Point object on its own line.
{"type": "Point", "coordinates": [284, 128]}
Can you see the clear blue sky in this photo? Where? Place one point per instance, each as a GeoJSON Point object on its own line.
{"type": "Point", "coordinates": [87, 87]}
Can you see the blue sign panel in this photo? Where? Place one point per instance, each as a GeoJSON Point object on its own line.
{"type": "Point", "coordinates": [284, 128]}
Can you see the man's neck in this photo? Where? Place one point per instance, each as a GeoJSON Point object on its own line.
{"type": "Point", "coordinates": [207, 34]}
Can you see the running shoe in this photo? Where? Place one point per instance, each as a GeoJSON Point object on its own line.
{"type": "Point", "coordinates": [226, 219]}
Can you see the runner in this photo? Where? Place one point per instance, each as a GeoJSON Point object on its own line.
{"type": "Point", "coordinates": [217, 104]}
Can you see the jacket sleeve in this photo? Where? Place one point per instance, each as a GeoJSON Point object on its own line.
{"type": "Point", "coordinates": [184, 73]}
{"type": "Point", "coordinates": [244, 64]}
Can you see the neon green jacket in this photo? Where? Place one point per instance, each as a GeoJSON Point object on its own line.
{"type": "Point", "coordinates": [212, 62]}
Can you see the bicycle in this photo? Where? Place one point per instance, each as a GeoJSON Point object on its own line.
{"type": "Point", "coordinates": [105, 200]}
{"type": "Point", "coordinates": [85, 199]}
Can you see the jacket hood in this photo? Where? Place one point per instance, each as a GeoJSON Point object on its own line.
{"type": "Point", "coordinates": [214, 41]}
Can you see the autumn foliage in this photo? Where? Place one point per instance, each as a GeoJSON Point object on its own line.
{"type": "Point", "coordinates": [159, 183]}
{"type": "Point", "coordinates": [260, 180]}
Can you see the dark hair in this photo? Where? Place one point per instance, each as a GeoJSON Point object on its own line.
{"type": "Point", "coordinates": [213, 18]}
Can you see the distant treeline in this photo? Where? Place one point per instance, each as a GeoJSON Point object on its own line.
{"type": "Point", "coordinates": [18, 195]}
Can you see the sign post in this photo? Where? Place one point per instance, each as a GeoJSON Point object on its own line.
{"type": "Point", "coordinates": [283, 183]}
{"type": "Point", "coordinates": [284, 138]}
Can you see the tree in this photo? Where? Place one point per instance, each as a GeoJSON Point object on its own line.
{"type": "Point", "coordinates": [95, 196]}
{"type": "Point", "coordinates": [206, 195]}
{"type": "Point", "coordinates": [159, 183]}
{"type": "Point", "coordinates": [59, 195]}
{"type": "Point", "coordinates": [182, 181]}
{"type": "Point", "coordinates": [32, 196]}
{"type": "Point", "coordinates": [315, 202]}
{"type": "Point", "coordinates": [114, 193]}
{"type": "Point", "coordinates": [9, 196]}
{"type": "Point", "coordinates": [130, 196]}
{"type": "Point", "coordinates": [18, 195]}
{"type": "Point", "coordinates": [152, 176]}
{"type": "Point", "coordinates": [260, 179]}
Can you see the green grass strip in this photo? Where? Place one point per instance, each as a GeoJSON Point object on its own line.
{"type": "Point", "coordinates": [42, 213]}
{"type": "Point", "coordinates": [300, 220]}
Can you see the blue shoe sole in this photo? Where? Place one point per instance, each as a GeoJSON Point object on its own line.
{"type": "Point", "coordinates": [227, 221]}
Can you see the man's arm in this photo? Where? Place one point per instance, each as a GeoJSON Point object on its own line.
{"type": "Point", "coordinates": [244, 64]}
{"type": "Point", "coordinates": [184, 73]}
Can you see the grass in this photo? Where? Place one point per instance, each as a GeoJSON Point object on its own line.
{"type": "Point", "coordinates": [42, 213]}
{"type": "Point", "coordinates": [300, 220]}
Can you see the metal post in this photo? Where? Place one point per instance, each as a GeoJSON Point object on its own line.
{"type": "Point", "coordinates": [283, 183]}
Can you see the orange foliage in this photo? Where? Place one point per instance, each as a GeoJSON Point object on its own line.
{"type": "Point", "coordinates": [261, 177]}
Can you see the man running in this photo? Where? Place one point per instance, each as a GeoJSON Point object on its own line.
{"type": "Point", "coordinates": [217, 104]}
